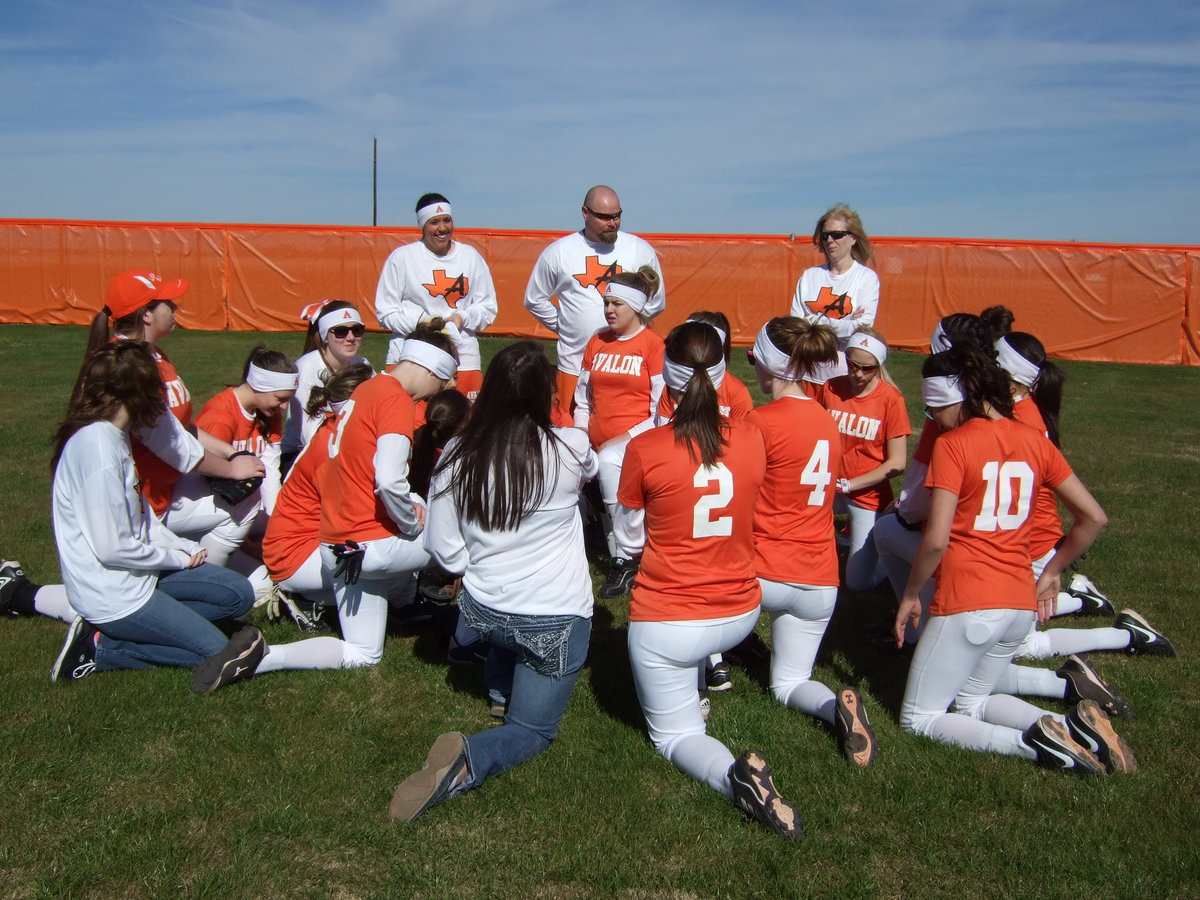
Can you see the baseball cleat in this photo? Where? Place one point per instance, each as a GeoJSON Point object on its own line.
{"type": "Point", "coordinates": [1085, 683]}
{"type": "Point", "coordinates": [1143, 637]}
{"type": "Point", "coordinates": [718, 678]}
{"type": "Point", "coordinates": [853, 728]}
{"type": "Point", "coordinates": [1056, 749]}
{"type": "Point", "coordinates": [755, 794]}
{"type": "Point", "coordinates": [620, 577]}
{"type": "Point", "coordinates": [1094, 602]}
{"type": "Point", "coordinates": [1090, 727]}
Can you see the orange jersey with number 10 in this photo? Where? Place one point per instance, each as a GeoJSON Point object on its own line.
{"type": "Point", "coordinates": [699, 557]}
{"type": "Point", "coordinates": [793, 520]}
{"type": "Point", "coordinates": [996, 467]}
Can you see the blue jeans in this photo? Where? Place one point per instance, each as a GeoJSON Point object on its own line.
{"type": "Point", "coordinates": [175, 626]}
{"type": "Point", "coordinates": [535, 661]}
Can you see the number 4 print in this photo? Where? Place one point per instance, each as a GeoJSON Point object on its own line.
{"type": "Point", "coordinates": [1007, 491]}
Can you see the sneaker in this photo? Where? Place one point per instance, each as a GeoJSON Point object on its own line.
{"type": "Point", "coordinates": [1143, 637]}
{"type": "Point", "coordinates": [1085, 683]}
{"type": "Point", "coordinates": [705, 705]}
{"type": "Point", "coordinates": [718, 678]}
{"type": "Point", "coordinates": [472, 654]}
{"type": "Point", "coordinates": [445, 768]}
{"type": "Point", "coordinates": [11, 577]}
{"type": "Point", "coordinates": [853, 728]}
{"type": "Point", "coordinates": [234, 662]}
{"type": "Point", "coordinates": [1094, 602]}
{"type": "Point", "coordinates": [1090, 727]}
{"type": "Point", "coordinates": [755, 794]}
{"type": "Point", "coordinates": [620, 577]}
{"type": "Point", "coordinates": [77, 659]}
{"type": "Point", "coordinates": [1056, 749]}
{"type": "Point", "coordinates": [307, 615]}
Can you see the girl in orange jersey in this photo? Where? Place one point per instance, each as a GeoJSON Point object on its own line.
{"type": "Point", "coordinates": [371, 537]}
{"type": "Point", "coordinates": [794, 547]}
{"type": "Point", "coordinates": [733, 397]}
{"type": "Point", "coordinates": [983, 476]}
{"type": "Point", "coordinates": [873, 422]}
{"type": "Point", "coordinates": [687, 498]}
{"type": "Point", "coordinates": [618, 392]}
{"type": "Point", "coordinates": [249, 415]}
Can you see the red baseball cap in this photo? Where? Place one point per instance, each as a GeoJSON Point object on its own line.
{"type": "Point", "coordinates": [130, 291]}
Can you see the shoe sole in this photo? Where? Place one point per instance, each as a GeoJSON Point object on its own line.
{"type": "Point", "coordinates": [1156, 643]}
{"type": "Point", "coordinates": [858, 741]}
{"type": "Point", "coordinates": [219, 671]}
{"type": "Point", "coordinates": [423, 789]}
{"type": "Point", "coordinates": [724, 683]}
{"type": "Point", "coordinates": [1080, 674]}
{"type": "Point", "coordinates": [1102, 739]}
{"type": "Point", "coordinates": [1071, 755]}
{"type": "Point", "coordinates": [72, 633]}
{"type": "Point", "coordinates": [756, 795]}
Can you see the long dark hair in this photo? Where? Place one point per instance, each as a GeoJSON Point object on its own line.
{"type": "Point", "coordinates": [498, 463]}
{"type": "Point", "coordinates": [968, 328]}
{"type": "Point", "coordinates": [120, 374]}
{"type": "Point", "coordinates": [270, 361]}
{"type": "Point", "coordinates": [697, 421]}
{"type": "Point", "coordinates": [445, 414]}
{"type": "Point", "coordinates": [982, 380]}
{"type": "Point", "coordinates": [337, 388]}
{"type": "Point", "coordinates": [1047, 392]}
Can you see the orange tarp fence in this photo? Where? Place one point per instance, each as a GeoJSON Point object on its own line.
{"type": "Point", "coordinates": [1102, 302]}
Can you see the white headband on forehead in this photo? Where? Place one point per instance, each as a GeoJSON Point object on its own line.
{"type": "Point", "coordinates": [774, 361]}
{"type": "Point", "coordinates": [432, 211]}
{"type": "Point", "coordinates": [266, 382]}
{"type": "Point", "coordinates": [941, 390]}
{"type": "Point", "coordinates": [436, 360]}
{"type": "Point", "coordinates": [676, 376]}
{"type": "Point", "coordinates": [938, 341]}
{"type": "Point", "coordinates": [347, 315]}
{"type": "Point", "coordinates": [872, 345]}
{"type": "Point", "coordinates": [1019, 369]}
{"type": "Point", "coordinates": [633, 298]}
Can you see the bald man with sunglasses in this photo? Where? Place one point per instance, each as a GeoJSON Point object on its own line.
{"type": "Point", "coordinates": [575, 269]}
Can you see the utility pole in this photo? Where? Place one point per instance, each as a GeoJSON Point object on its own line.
{"type": "Point", "coordinates": [374, 182]}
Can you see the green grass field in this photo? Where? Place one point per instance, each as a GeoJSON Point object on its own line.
{"type": "Point", "coordinates": [127, 785]}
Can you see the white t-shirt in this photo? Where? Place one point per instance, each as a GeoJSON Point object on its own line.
{"type": "Point", "coordinates": [576, 271]}
{"type": "Point", "coordinates": [300, 427]}
{"type": "Point", "coordinates": [111, 547]}
{"type": "Point", "coordinates": [843, 302]}
{"type": "Point", "coordinates": [416, 284]}
{"type": "Point", "coordinates": [538, 569]}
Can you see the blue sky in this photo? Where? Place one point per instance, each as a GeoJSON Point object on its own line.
{"type": "Point", "coordinates": [1024, 119]}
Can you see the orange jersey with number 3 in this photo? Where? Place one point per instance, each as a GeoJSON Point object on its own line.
{"type": "Point", "coordinates": [292, 529]}
{"type": "Point", "coordinates": [996, 467]}
{"type": "Point", "coordinates": [699, 557]}
{"type": "Point", "coordinates": [793, 519]}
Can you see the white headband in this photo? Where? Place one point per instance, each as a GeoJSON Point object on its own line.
{"type": "Point", "coordinates": [872, 345]}
{"type": "Point", "coordinates": [1019, 369]}
{"type": "Point", "coordinates": [774, 361]}
{"type": "Point", "coordinates": [347, 315]}
{"type": "Point", "coordinates": [265, 381]}
{"type": "Point", "coordinates": [941, 390]}
{"type": "Point", "coordinates": [436, 360]}
{"type": "Point", "coordinates": [939, 342]}
{"type": "Point", "coordinates": [676, 376]}
{"type": "Point", "coordinates": [634, 299]}
{"type": "Point", "coordinates": [432, 211]}
{"type": "Point", "coordinates": [720, 331]}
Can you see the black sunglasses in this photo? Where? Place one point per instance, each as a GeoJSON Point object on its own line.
{"type": "Point", "coordinates": [605, 217]}
{"type": "Point", "coordinates": [341, 332]}
{"type": "Point", "coordinates": [866, 370]}
{"type": "Point", "coordinates": [836, 235]}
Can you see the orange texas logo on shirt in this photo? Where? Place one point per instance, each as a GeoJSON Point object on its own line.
{"type": "Point", "coordinates": [617, 364]}
{"type": "Point", "coordinates": [830, 305]}
{"type": "Point", "coordinates": [854, 425]}
{"type": "Point", "coordinates": [446, 287]}
{"type": "Point", "coordinates": [597, 275]}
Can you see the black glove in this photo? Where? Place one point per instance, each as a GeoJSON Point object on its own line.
{"type": "Point", "coordinates": [234, 490]}
{"type": "Point", "coordinates": [349, 558]}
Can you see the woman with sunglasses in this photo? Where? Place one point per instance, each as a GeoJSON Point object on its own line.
{"type": "Point", "coordinates": [843, 293]}
{"type": "Point", "coordinates": [873, 421]}
{"type": "Point", "coordinates": [985, 470]}
{"type": "Point", "coordinates": [438, 276]}
{"type": "Point", "coordinates": [335, 335]}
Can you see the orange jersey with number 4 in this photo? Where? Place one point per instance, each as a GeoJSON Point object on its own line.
{"type": "Point", "coordinates": [698, 561]}
{"type": "Point", "coordinates": [996, 467]}
{"type": "Point", "coordinates": [793, 519]}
